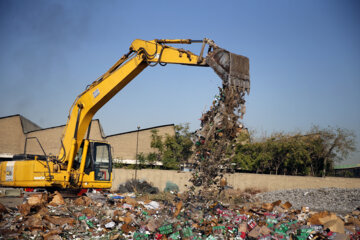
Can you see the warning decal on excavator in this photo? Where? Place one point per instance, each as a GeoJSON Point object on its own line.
{"type": "Point", "coordinates": [10, 171]}
{"type": "Point", "coordinates": [96, 93]}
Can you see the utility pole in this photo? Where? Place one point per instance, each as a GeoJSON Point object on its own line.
{"type": "Point", "coordinates": [137, 149]}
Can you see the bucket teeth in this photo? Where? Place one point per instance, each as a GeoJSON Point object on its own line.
{"type": "Point", "coordinates": [233, 69]}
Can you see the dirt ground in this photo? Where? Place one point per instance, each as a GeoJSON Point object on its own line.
{"type": "Point", "coordinates": [11, 202]}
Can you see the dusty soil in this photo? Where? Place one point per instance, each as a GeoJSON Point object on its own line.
{"type": "Point", "coordinates": [11, 202]}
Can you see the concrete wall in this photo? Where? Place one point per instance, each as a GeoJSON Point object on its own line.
{"type": "Point", "coordinates": [11, 135]}
{"type": "Point", "coordinates": [238, 180]}
{"type": "Point", "coordinates": [124, 144]}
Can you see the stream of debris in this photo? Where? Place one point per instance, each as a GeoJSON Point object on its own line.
{"type": "Point", "coordinates": [221, 125]}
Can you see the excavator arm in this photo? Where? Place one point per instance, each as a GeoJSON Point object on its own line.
{"type": "Point", "coordinates": [142, 54]}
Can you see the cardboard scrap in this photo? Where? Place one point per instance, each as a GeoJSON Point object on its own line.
{"type": "Point", "coordinates": [37, 199]}
{"type": "Point", "coordinates": [286, 205]}
{"type": "Point", "coordinates": [255, 232]}
{"type": "Point", "coordinates": [336, 225]}
{"type": "Point", "coordinates": [356, 221]}
{"type": "Point", "coordinates": [320, 218]}
{"type": "Point", "coordinates": [3, 209]}
{"type": "Point", "coordinates": [34, 222]}
{"type": "Point", "coordinates": [276, 203]}
{"type": "Point", "coordinates": [267, 206]}
{"type": "Point", "coordinates": [270, 206]}
{"type": "Point", "coordinates": [259, 231]}
{"type": "Point", "coordinates": [131, 201]}
{"type": "Point", "coordinates": [264, 230]}
{"type": "Point", "coordinates": [24, 209]}
{"type": "Point", "coordinates": [356, 212]}
{"type": "Point", "coordinates": [350, 228]}
{"type": "Point", "coordinates": [178, 208]}
{"type": "Point", "coordinates": [340, 236]}
{"type": "Point", "coordinates": [51, 234]}
{"type": "Point", "coordinates": [243, 227]}
{"type": "Point", "coordinates": [223, 182]}
{"type": "Point", "coordinates": [83, 201]}
{"type": "Point", "coordinates": [57, 199]}
{"type": "Point", "coordinates": [88, 212]}
{"type": "Point", "coordinates": [54, 237]}
{"type": "Point", "coordinates": [328, 220]}
{"type": "Point", "coordinates": [152, 225]}
{"type": "Point", "coordinates": [79, 202]}
{"type": "Point", "coordinates": [60, 220]}
{"type": "Point", "coordinates": [305, 209]}
{"type": "Point", "coordinates": [126, 228]}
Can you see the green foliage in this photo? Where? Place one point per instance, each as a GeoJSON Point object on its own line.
{"type": "Point", "coordinates": [118, 165]}
{"type": "Point", "coordinates": [141, 160]}
{"type": "Point", "coordinates": [156, 141]}
{"type": "Point", "coordinates": [172, 150]}
{"type": "Point", "coordinates": [151, 159]}
{"type": "Point", "coordinates": [297, 154]}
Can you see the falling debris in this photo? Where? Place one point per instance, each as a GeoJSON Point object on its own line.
{"type": "Point", "coordinates": [220, 125]}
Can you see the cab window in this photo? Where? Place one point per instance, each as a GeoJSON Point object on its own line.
{"type": "Point", "coordinates": [102, 161]}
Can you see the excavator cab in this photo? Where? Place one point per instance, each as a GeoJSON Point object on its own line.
{"type": "Point", "coordinates": [92, 163]}
{"type": "Point", "coordinates": [101, 157]}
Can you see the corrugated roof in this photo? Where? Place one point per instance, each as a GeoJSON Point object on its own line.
{"type": "Point", "coordinates": [143, 129]}
{"type": "Point", "coordinates": [347, 166]}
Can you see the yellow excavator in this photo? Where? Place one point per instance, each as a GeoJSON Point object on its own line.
{"type": "Point", "coordinates": [86, 164]}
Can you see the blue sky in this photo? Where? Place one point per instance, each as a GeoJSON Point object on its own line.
{"type": "Point", "coordinates": [304, 61]}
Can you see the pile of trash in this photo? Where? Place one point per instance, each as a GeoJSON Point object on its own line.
{"type": "Point", "coordinates": [221, 125]}
{"type": "Point", "coordinates": [118, 216]}
{"type": "Point", "coordinates": [137, 186]}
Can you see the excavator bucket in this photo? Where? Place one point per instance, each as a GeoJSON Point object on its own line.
{"type": "Point", "coordinates": [233, 69]}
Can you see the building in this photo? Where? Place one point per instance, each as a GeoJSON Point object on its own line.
{"type": "Point", "coordinates": [347, 170]}
{"type": "Point", "coordinates": [19, 135]}
{"type": "Point", "coordinates": [124, 144]}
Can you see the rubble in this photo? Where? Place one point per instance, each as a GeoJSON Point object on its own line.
{"type": "Point", "coordinates": [137, 186]}
{"type": "Point", "coordinates": [142, 218]}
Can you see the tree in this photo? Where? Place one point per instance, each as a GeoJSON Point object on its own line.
{"type": "Point", "coordinates": [141, 160]}
{"type": "Point", "coordinates": [152, 158]}
{"type": "Point", "coordinates": [156, 143]}
{"type": "Point", "coordinates": [335, 144]}
{"type": "Point", "coordinates": [173, 150]}
{"type": "Point", "coordinates": [296, 154]}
